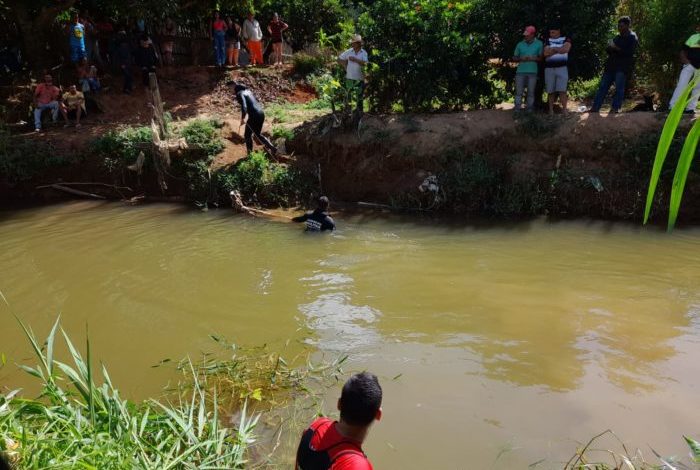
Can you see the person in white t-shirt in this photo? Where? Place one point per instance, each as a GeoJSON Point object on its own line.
{"type": "Point", "coordinates": [354, 61]}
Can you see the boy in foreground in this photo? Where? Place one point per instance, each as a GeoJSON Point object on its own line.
{"type": "Point", "coordinates": [337, 445]}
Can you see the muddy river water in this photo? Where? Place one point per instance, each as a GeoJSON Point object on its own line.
{"type": "Point", "coordinates": [498, 346]}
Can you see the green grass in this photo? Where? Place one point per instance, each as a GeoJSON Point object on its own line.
{"type": "Point", "coordinates": [78, 422]}
{"type": "Point", "coordinates": [279, 132]}
{"type": "Point", "coordinates": [22, 159]}
{"type": "Point", "coordinates": [203, 135]}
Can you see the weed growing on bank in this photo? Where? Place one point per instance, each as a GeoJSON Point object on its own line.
{"type": "Point", "coordinates": [80, 423]}
{"type": "Point", "coordinates": [23, 159]}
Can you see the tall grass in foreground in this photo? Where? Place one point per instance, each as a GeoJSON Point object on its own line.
{"type": "Point", "coordinates": [686, 157]}
{"type": "Point", "coordinates": [76, 423]}
{"type": "Point", "coordinates": [586, 458]}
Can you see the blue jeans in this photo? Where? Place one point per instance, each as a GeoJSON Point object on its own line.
{"type": "Point", "coordinates": [53, 106]}
{"type": "Point", "coordinates": [220, 47]}
{"type": "Point", "coordinates": [619, 78]}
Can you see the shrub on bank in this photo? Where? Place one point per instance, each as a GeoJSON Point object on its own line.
{"type": "Point", "coordinates": [22, 159]}
{"type": "Point", "coordinates": [307, 64]}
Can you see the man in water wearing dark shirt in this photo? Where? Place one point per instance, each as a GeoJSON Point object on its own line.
{"type": "Point", "coordinates": [618, 67]}
{"type": "Point", "coordinates": [318, 220]}
{"type": "Point", "coordinates": [251, 108]}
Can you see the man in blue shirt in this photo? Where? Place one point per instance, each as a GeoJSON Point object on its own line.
{"type": "Point", "coordinates": [76, 32]}
{"type": "Point", "coordinates": [528, 53]}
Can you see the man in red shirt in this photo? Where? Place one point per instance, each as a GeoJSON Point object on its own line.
{"type": "Point", "coordinates": [45, 97]}
{"type": "Point", "coordinates": [337, 445]}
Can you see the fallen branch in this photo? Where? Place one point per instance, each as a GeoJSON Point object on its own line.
{"type": "Point", "coordinates": [68, 190]}
{"type": "Point", "coordinates": [238, 205]}
{"type": "Point", "coordinates": [106, 185]}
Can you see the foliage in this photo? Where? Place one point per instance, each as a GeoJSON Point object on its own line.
{"type": "Point", "coordinates": [686, 156]}
{"type": "Point", "coordinates": [662, 27]}
{"type": "Point", "coordinates": [203, 135]}
{"type": "Point", "coordinates": [306, 64]}
{"type": "Point", "coordinates": [537, 126]}
{"type": "Point", "coordinates": [261, 180]}
{"type": "Point", "coordinates": [279, 132]}
{"type": "Point", "coordinates": [122, 147]}
{"type": "Point", "coordinates": [22, 159]}
{"type": "Point", "coordinates": [426, 55]}
{"type": "Point", "coordinates": [329, 89]}
{"type": "Point", "coordinates": [588, 22]}
{"type": "Point", "coordinates": [79, 423]}
{"type": "Point", "coordinates": [581, 89]}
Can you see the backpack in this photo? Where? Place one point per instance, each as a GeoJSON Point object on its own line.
{"type": "Point", "coordinates": [309, 458]}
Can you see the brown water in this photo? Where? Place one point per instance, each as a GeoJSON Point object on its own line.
{"type": "Point", "coordinates": [510, 343]}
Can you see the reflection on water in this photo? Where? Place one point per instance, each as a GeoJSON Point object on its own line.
{"type": "Point", "coordinates": [526, 337]}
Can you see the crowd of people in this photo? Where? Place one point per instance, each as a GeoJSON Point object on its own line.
{"type": "Point", "coordinates": [102, 45]}
{"type": "Point", "coordinates": [552, 54]}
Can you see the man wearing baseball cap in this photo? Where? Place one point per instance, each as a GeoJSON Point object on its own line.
{"type": "Point", "coordinates": [528, 53]}
{"type": "Point", "coordinates": [354, 61]}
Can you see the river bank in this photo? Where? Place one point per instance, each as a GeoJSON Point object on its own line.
{"type": "Point", "coordinates": [483, 163]}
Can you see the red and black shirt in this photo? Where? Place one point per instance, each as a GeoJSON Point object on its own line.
{"type": "Point", "coordinates": [322, 447]}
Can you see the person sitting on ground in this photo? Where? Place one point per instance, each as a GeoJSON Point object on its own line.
{"type": "Point", "coordinates": [233, 41]}
{"type": "Point", "coordinates": [336, 445]}
{"type": "Point", "coordinates": [251, 108]}
{"type": "Point", "coordinates": [318, 220]}
{"type": "Point", "coordinates": [45, 97]}
{"type": "Point", "coordinates": [276, 28]}
{"type": "Point", "coordinates": [618, 67]}
{"type": "Point", "coordinates": [556, 70]}
{"type": "Point", "coordinates": [354, 61]}
{"type": "Point", "coordinates": [690, 58]}
{"type": "Point", "coordinates": [76, 32]}
{"type": "Point", "coordinates": [527, 54]}
{"type": "Point", "coordinates": [146, 58]}
{"type": "Point", "coordinates": [73, 102]}
{"type": "Point", "coordinates": [253, 36]}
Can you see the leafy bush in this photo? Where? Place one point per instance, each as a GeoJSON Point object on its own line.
{"type": "Point", "coordinates": [279, 132]}
{"type": "Point", "coordinates": [260, 180]}
{"type": "Point", "coordinates": [122, 147]}
{"type": "Point", "coordinates": [306, 64]}
{"type": "Point", "coordinates": [426, 55]}
{"type": "Point", "coordinates": [203, 134]}
{"type": "Point", "coordinates": [581, 89]}
{"type": "Point", "coordinates": [22, 159]}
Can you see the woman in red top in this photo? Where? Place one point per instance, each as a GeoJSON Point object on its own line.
{"type": "Point", "coordinates": [275, 28]}
{"type": "Point", "coordinates": [218, 28]}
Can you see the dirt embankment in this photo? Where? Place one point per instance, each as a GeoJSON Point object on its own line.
{"type": "Point", "coordinates": [581, 165]}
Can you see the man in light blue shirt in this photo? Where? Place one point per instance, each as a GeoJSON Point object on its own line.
{"type": "Point", "coordinates": [77, 40]}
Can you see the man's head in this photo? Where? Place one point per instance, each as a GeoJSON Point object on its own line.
{"type": "Point", "coordinates": [48, 79]}
{"type": "Point", "coordinates": [356, 42]}
{"type": "Point", "coordinates": [360, 402]}
{"type": "Point", "coordinates": [623, 24]}
{"type": "Point", "coordinates": [75, 18]}
{"type": "Point", "coordinates": [251, 15]}
{"type": "Point", "coordinates": [275, 17]}
{"type": "Point", "coordinates": [529, 33]}
{"type": "Point", "coordinates": [555, 31]}
{"type": "Point", "coordinates": [323, 203]}
{"type": "Point", "coordinates": [72, 89]}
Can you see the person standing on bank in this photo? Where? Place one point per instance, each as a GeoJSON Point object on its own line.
{"type": "Point", "coordinates": [218, 31]}
{"type": "Point", "coordinates": [276, 28]}
{"type": "Point", "coordinates": [251, 108]}
{"type": "Point", "coordinates": [556, 69]}
{"type": "Point", "coordinates": [690, 58]}
{"type": "Point", "coordinates": [528, 53]}
{"type": "Point", "coordinates": [318, 220]}
{"type": "Point", "coordinates": [618, 67]}
{"type": "Point", "coordinates": [354, 61]}
{"type": "Point", "coordinates": [337, 445]}
{"type": "Point", "coordinates": [233, 41]}
{"type": "Point", "coordinates": [253, 36]}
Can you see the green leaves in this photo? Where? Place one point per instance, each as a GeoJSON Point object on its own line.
{"type": "Point", "coordinates": [694, 448]}
{"type": "Point", "coordinates": [684, 162]}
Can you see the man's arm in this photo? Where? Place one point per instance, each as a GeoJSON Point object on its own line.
{"type": "Point", "coordinates": [285, 26]}
{"type": "Point", "coordinates": [343, 59]}
{"type": "Point", "coordinates": [244, 106]}
{"type": "Point", "coordinates": [301, 218]}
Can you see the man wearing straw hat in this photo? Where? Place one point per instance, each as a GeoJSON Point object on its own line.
{"type": "Point", "coordinates": [354, 60]}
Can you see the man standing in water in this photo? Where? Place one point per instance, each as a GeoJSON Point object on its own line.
{"type": "Point", "coordinates": [251, 108]}
{"type": "Point", "coordinates": [337, 445]}
{"type": "Point", "coordinates": [318, 220]}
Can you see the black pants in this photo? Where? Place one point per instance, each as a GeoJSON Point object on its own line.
{"type": "Point", "coordinates": [145, 71]}
{"type": "Point", "coordinates": [254, 126]}
{"type": "Point", "coordinates": [128, 79]}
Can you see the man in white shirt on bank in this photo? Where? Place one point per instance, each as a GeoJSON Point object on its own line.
{"type": "Point", "coordinates": [252, 34]}
{"type": "Point", "coordinates": [354, 61]}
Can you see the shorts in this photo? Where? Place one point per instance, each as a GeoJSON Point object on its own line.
{"type": "Point", "coordinates": [233, 45]}
{"type": "Point", "coordinates": [276, 41]}
{"type": "Point", "coordinates": [77, 53]}
{"type": "Point", "coordinates": [556, 79]}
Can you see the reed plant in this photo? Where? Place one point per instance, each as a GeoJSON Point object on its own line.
{"type": "Point", "coordinates": [685, 160]}
{"type": "Point", "coordinates": [77, 422]}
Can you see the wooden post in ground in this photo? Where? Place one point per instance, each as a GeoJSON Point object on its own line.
{"type": "Point", "coordinates": [161, 153]}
